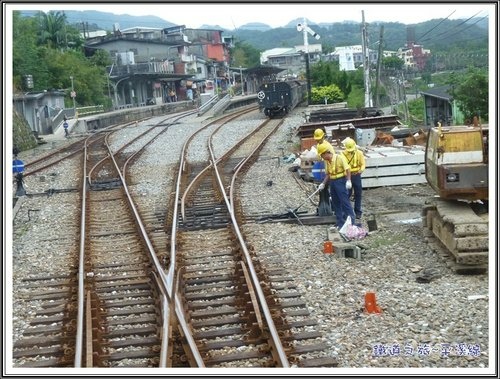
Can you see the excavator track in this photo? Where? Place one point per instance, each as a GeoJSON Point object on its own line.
{"type": "Point", "coordinates": [456, 231]}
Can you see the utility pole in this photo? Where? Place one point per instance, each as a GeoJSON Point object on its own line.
{"type": "Point", "coordinates": [305, 29]}
{"type": "Point", "coordinates": [65, 34]}
{"type": "Point", "coordinates": [366, 62]}
{"type": "Point", "coordinates": [241, 78]}
{"type": "Point", "coordinates": [73, 95]}
{"type": "Point", "coordinates": [379, 64]}
{"type": "Point", "coordinates": [407, 116]}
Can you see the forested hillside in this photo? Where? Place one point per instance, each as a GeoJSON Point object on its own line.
{"type": "Point", "coordinates": [448, 35]}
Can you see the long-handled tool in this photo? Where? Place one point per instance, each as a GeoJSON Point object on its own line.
{"type": "Point", "coordinates": [293, 212]}
{"type": "Point", "coordinates": [309, 198]}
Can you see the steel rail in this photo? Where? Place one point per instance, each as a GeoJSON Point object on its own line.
{"type": "Point", "coordinates": [170, 277]}
{"type": "Point", "coordinates": [281, 355]}
{"type": "Point", "coordinates": [165, 283]}
{"type": "Point", "coordinates": [70, 148]}
{"type": "Point", "coordinates": [81, 269]}
{"type": "Point", "coordinates": [166, 288]}
{"type": "Point", "coordinates": [81, 266]}
{"type": "Point", "coordinates": [172, 267]}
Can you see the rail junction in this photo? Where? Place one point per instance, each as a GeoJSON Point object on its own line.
{"type": "Point", "coordinates": [173, 286]}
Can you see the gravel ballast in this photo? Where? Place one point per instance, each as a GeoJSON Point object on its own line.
{"type": "Point", "coordinates": [441, 324]}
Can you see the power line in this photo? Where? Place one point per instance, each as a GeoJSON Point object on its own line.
{"type": "Point", "coordinates": [439, 23]}
{"type": "Point", "coordinates": [456, 26]}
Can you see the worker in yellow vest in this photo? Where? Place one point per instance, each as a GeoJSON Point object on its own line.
{"type": "Point", "coordinates": [356, 161]}
{"type": "Point", "coordinates": [320, 138]}
{"type": "Point", "coordinates": [338, 175]}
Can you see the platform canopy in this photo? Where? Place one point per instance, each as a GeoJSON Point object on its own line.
{"type": "Point", "coordinates": [263, 70]}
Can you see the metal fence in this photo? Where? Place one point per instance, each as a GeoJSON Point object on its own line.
{"type": "Point", "coordinates": [93, 109]}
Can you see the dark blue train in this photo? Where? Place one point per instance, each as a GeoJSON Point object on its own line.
{"type": "Point", "coordinates": [279, 98]}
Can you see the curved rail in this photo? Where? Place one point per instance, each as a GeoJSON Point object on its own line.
{"type": "Point", "coordinates": [159, 276]}
{"type": "Point", "coordinates": [195, 354]}
{"type": "Point", "coordinates": [249, 272]}
{"type": "Point", "coordinates": [280, 357]}
{"type": "Point", "coordinates": [69, 150]}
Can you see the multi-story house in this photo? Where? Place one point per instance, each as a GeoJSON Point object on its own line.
{"type": "Point", "coordinates": [150, 62]}
{"type": "Point", "coordinates": [291, 59]}
{"type": "Point", "coordinates": [214, 50]}
{"type": "Point", "coordinates": [414, 56]}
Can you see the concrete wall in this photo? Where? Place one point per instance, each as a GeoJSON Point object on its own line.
{"type": "Point", "coordinates": [104, 120]}
{"type": "Point", "coordinates": [22, 135]}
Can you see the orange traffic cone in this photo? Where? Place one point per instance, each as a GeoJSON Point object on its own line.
{"type": "Point", "coordinates": [328, 247]}
{"type": "Point", "coordinates": [371, 303]}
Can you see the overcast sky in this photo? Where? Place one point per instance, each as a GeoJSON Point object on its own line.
{"type": "Point", "coordinates": [231, 16]}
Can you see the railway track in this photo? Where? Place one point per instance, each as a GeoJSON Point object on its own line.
{"type": "Point", "coordinates": [125, 296]}
{"type": "Point", "coordinates": [211, 303]}
{"type": "Point", "coordinates": [51, 159]}
{"type": "Point", "coordinates": [119, 288]}
{"type": "Point", "coordinates": [237, 317]}
{"type": "Point", "coordinates": [49, 339]}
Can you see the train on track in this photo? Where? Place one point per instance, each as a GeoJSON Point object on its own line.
{"type": "Point", "coordinates": [279, 98]}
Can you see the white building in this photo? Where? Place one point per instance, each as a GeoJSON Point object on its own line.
{"type": "Point", "coordinates": [351, 57]}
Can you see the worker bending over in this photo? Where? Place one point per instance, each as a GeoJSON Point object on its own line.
{"type": "Point", "coordinates": [338, 174]}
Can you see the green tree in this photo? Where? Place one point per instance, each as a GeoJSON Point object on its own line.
{"type": "Point", "coordinates": [426, 77]}
{"type": "Point", "coordinates": [27, 56]}
{"type": "Point", "coordinates": [327, 73]}
{"type": "Point", "coordinates": [322, 74]}
{"type": "Point", "coordinates": [55, 32]}
{"type": "Point", "coordinates": [393, 63]}
{"type": "Point", "coordinates": [356, 98]}
{"type": "Point", "coordinates": [52, 66]}
{"type": "Point", "coordinates": [416, 109]}
{"type": "Point", "coordinates": [101, 58]}
{"type": "Point", "coordinates": [344, 82]}
{"type": "Point", "coordinates": [52, 25]}
{"type": "Point", "coordinates": [89, 80]}
{"type": "Point", "coordinates": [328, 94]}
{"type": "Point", "coordinates": [470, 91]}
{"type": "Point", "coordinates": [245, 55]}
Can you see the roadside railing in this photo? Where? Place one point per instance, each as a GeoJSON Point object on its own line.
{"type": "Point", "coordinates": [221, 104]}
{"type": "Point", "coordinates": [209, 104]}
{"type": "Point", "coordinates": [84, 111]}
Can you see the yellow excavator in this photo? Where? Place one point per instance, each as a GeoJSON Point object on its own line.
{"type": "Point", "coordinates": [456, 167]}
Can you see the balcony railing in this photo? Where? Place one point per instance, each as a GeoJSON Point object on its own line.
{"type": "Point", "coordinates": [141, 68]}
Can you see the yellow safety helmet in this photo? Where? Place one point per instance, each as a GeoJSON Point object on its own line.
{"type": "Point", "coordinates": [319, 134]}
{"type": "Point", "coordinates": [349, 144]}
{"type": "Point", "coordinates": [323, 148]}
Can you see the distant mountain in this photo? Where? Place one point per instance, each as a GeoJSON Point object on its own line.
{"type": "Point", "coordinates": [293, 23]}
{"type": "Point", "coordinates": [255, 26]}
{"type": "Point", "coordinates": [106, 20]}
{"type": "Point", "coordinates": [214, 27]}
{"type": "Point", "coordinates": [433, 34]}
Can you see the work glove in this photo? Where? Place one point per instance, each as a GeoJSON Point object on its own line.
{"type": "Point", "coordinates": [348, 185]}
{"type": "Point", "coordinates": [321, 187]}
